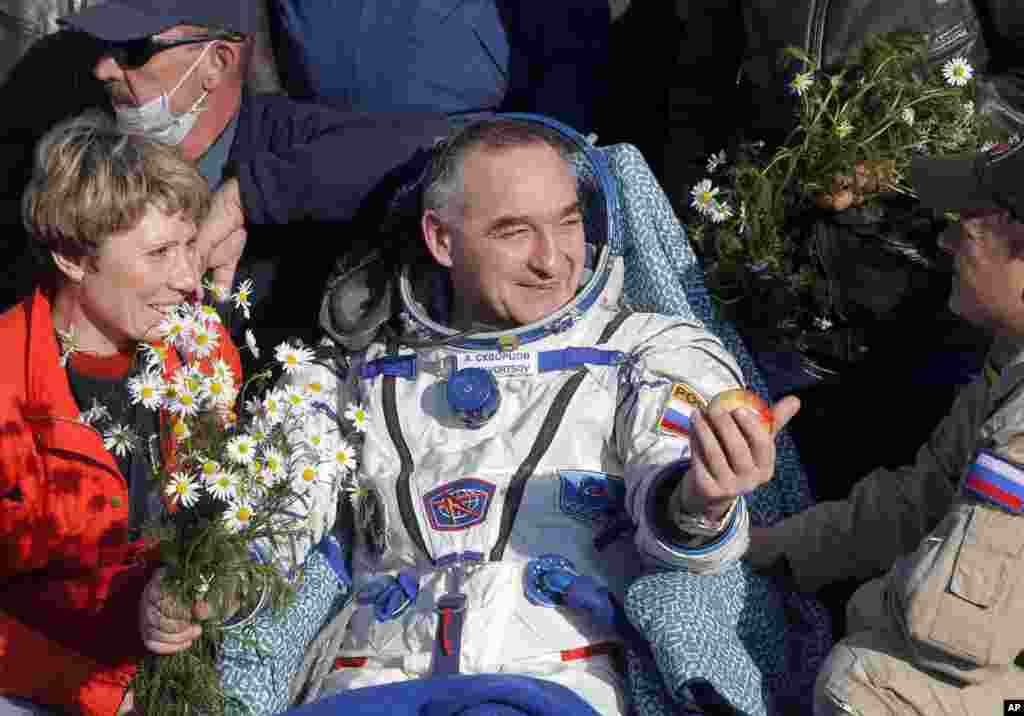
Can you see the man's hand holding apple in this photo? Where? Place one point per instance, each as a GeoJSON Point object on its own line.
{"type": "Point", "coordinates": [732, 450]}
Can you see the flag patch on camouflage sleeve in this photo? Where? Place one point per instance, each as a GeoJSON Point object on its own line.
{"type": "Point", "coordinates": [996, 481]}
{"type": "Point", "coordinates": [679, 408]}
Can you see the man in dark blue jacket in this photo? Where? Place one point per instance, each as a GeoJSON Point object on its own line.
{"type": "Point", "coordinates": [453, 56]}
{"type": "Point", "coordinates": [175, 71]}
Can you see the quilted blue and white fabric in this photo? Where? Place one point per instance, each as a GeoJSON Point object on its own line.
{"type": "Point", "coordinates": [258, 661]}
{"type": "Point", "coordinates": [682, 614]}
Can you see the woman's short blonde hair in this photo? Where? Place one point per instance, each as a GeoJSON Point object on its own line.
{"type": "Point", "coordinates": [90, 180]}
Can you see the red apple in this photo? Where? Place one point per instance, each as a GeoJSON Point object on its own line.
{"type": "Point", "coordinates": [729, 400]}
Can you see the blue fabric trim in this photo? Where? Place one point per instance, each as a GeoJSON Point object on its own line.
{"type": "Point", "coordinates": [451, 615]}
{"type": "Point", "coordinates": [675, 471]}
{"type": "Point", "coordinates": [453, 557]}
{"type": "Point", "coordinates": [403, 366]}
{"type": "Point", "coordinates": [332, 551]}
{"type": "Point", "coordinates": [570, 358]}
{"type": "Point", "coordinates": [390, 596]}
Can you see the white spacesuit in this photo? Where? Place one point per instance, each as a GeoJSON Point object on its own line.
{"type": "Point", "coordinates": [585, 417]}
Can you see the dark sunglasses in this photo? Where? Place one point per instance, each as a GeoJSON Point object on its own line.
{"type": "Point", "coordinates": [136, 53]}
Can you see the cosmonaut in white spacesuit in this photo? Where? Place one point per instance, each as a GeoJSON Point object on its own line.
{"type": "Point", "coordinates": [522, 426]}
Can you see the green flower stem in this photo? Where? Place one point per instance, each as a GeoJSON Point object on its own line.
{"type": "Point", "coordinates": [923, 98]}
{"type": "Point", "coordinates": [882, 64]}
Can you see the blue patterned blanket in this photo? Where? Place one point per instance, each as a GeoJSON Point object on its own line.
{"type": "Point", "coordinates": [725, 630]}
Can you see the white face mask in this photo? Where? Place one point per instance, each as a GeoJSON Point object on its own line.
{"type": "Point", "coordinates": [155, 119]}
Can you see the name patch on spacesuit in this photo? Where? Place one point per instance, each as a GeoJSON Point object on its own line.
{"type": "Point", "coordinates": [679, 408]}
{"type": "Point", "coordinates": [590, 496]}
{"type": "Point", "coordinates": [502, 364]}
{"type": "Point", "coordinates": [458, 505]}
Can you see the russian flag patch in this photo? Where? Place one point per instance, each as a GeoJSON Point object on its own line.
{"type": "Point", "coordinates": [682, 402]}
{"type": "Point", "coordinates": [997, 481]}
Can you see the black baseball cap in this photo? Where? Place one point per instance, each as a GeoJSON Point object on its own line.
{"type": "Point", "coordinates": [126, 20]}
{"type": "Point", "coordinates": [990, 180]}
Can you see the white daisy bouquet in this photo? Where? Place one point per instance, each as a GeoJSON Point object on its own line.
{"type": "Point", "coordinates": [857, 128]}
{"type": "Point", "coordinates": [241, 492]}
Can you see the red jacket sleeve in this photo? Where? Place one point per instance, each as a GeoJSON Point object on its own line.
{"type": "Point", "coordinates": [37, 668]}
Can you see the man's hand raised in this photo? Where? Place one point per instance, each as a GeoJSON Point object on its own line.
{"type": "Point", "coordinates": [221, 237]}
{"type": "Point", "coordinates": [733, 453]}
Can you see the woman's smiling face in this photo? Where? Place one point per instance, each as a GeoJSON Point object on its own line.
{"type": "Point", "coordinates": [125, 290]}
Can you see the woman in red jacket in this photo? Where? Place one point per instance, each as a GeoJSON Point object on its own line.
{"type": "Point", "coordinates": [117, 215]}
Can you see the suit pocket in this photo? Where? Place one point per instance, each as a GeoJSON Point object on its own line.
{"type": "Point", "coordinates": [968, 603]}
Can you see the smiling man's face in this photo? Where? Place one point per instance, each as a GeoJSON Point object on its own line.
{"type": "Point", "coordinates": [516, 246]}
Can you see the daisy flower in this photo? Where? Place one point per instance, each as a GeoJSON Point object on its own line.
{"type": "Point", "coordinates": [185, 403]}
{"type": "Point", "coordinates": [292, 358]}
{"type": "Point", "coordinates": [218, 292]}
{"type": "Point", "coordinates": [180, 430]}
{"type": "Point", "coordinates": [356, 413]}
{"type": "Point", "coordinates": [175, 327]}
{"type": "Point", "coordinates": [295, 398]}
{"type": "Point", "coordinates": [344, 456]}
{"type": "Point", "coordinates": [720, 211]}
{"type": "Point", "coordinates": [801, 83]}
{"type": "Point", "coordinates": [844, 129]}
{"type": "Point", "coordinates": [221, 391]}
{"type": "Point", "coordinates": [703, 194]}
{"type": "Point", "coordinates": [147, 389]}
{"type": "Point", "coordinates": [97, 412]}
{"type": "Point", "coordinates": [207, 314]}
{"type": "Point", "coordinates": [241, 449]}
{"type": "Point", "coordinates": [223, 486]}
{"type": "Point", "coordinates": [957, 72]}
{"type": "Point", "coordinates": [120, 440]}
{"type": "Point", "coordinates": [222, 370]}
{"type": "Point", "coordinates": [273, 461]}
{"type": "Point", "coordinates": [208, 468]}
{"type": "Point", "coordinates": [319, 440]}
{"type": "Point", "coordinates": [261, 477]}
{"type": "Point", "coordinates": [238, 516]}
{"type": "Point", "coordinates": [314, 389]}
{"type": "Point", "coordinates": [272, 407]}
{"type": "Point", "coordinates": [307, 473]}
{"type": "Point", "coordinates": [205, 341]}
{"type": "Point", "coordinates": [715, 161]}
{"type": "Point", "coordinates": [243, 297]}
{"type": "Point", "coordinates": [259, 430]}
{"type": "Point", "coordinates": [182, 488]}
{"type": "Point", "coordinates": [250, 343]}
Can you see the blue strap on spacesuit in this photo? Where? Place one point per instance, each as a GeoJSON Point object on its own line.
{"type": "Point", "coordinates": [406, 366]}
{"type": "Point", "coordinates": [552, 581]}
{"type": "Point", "coordinates": [572, 358]}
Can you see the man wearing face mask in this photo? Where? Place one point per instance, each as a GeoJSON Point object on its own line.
{"type": "Point", "coordinates": [174, 71]}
